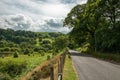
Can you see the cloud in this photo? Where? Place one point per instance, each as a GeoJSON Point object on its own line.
{"type": "Point", "coordinates": [36, 15]}
{"type": "Point", "coordinates": [24, 22]}
{"type": "Point", "coordinates": [17, 22]}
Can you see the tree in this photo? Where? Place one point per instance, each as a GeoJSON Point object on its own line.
{"type": "Point", "coordinates": [15, 55]}
{"type": "Point", "coordinates": [60, 43]}
{"type": "Point", "coordinates": [96, 23]}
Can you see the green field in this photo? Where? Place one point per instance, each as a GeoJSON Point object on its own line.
{"type": "Point", "coordinates": [24, 62]}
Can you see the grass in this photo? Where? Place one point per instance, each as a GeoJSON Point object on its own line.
{"type": "Point", "coordinates": [37, 42]}
{"type": "Point", "coordinates": [68, 72]}
{"type": "Point", "coordinates": [42, 72]}
{"type": "Point", "coordinates": [51, 40]}
{"type": "Point", "coordinates": [113, 57]}
{"type": "Point", "coordinates": [107, 56]}
{"type": "Point", "coordinates": [32, 61]}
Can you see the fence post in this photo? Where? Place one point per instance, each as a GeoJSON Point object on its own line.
{"type": "Point", "coordinates": [59, 76]}
{"type": "Point", "coordinates": [52, 73]}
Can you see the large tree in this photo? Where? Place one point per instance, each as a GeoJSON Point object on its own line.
{"type": "Point", "coordinates": [97, 23]}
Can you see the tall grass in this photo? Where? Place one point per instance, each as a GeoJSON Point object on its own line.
{"type": "Point", "coordinates": [16, 67]}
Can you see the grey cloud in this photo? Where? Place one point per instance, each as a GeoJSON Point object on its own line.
{"type": "Point", "coordinates": [54, 23]}
{"type": "Point", "coordinates": [35, 15]}
{"type": "Point", "coordinates": [68, 1]}
{"type": "Point", "coordinates": [17, 22]}
{"type": "Point", "coordinates": [17, 18]}
{"type": "Point", "coordinates": [23, 22]}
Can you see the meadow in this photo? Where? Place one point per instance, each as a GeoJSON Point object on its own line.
{"type": "Point", "coordinates": [14, 68]}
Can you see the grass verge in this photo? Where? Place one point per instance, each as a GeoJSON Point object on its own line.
{"type": "Point", "coordinates": [68, 72]}
{"type": "Point", "coordinates": [112, 57]}
{"type": "Point", "coordinates": [107, 56]}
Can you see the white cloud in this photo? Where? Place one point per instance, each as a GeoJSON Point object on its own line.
{"type": "Point", "coordinates": [55, 10]}
{"type": "Point", "coordinates": [35, 15]}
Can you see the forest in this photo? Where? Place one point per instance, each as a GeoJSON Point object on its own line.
{"type": "Point", "coordinates": [20, 41]}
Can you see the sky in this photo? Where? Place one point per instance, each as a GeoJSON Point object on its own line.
{"type": "Point", "coordinates": [36, 15]}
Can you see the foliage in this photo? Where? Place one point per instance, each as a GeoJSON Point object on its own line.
{"type": "Point", "coordinates": [19, 40]}
{"type": "Point", "coordinates": [36, 49]}
{"type": "Point", "coordinates": [24, 63]}
{"type": "Point", "coordinates": [48, 57]}
{"type": "Point", "coordinates": [97, 23]}
{"type": "Point", "coordinates": [12, 68]}
{"type": "Point", "coordinates": [4, 76]}
{"type": "Point", "coordinates": [60, 43]}
{"type": "Point", "coordinates": [15, 55]}
{"type": "Point", "coordinates": [26, 51]}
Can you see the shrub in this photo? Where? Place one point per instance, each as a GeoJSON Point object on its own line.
{"type": "Point", "coordinates": [3, 56]}
{"type": "Point", "coordinates": [36, 49]}
{"type": "Point", "coordinates": [45, 71]}
{"type": "Point", "coordinates": [4, 76]}
{"type": "Point", "coordinates": [41, 51]}
{"type": "Point", "coordinates": [13, 68]}
{"type": "Point", "coordinates": [48, 57]}
{"type": "Point", "coordinates": [15, 55]}
{"type": "Point", "coordinates": [6, 49]}
{"type": "Point", "coordinates": [29, 54]}
{"type": "Point", "coordinates": [35, 76]}
{"type": "Point", "coordinates": [42, 54]}
{"type": "Point", "coordinates": [26, 51]}
{"type": "Point", "coordinates": [69, 56]}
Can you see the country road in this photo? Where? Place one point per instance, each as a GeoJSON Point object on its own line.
{"type": "Point", "coordinates": [89, 68]}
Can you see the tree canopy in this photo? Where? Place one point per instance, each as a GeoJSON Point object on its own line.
{"type": "Point", "coordinates": [98, 23]}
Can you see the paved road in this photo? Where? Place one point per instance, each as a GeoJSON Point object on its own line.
{"type": "Point", "coordinates": [89, 68]}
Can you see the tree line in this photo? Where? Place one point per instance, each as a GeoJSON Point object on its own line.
{"type": "Point", "coordinates": [28, 42]}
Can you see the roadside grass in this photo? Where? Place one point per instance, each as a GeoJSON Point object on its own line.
{"type": "Point", "coordinates": [31, 62]}
{"type": "Point", "coordinates": [68, 72]}
{"type": "Point", "coordinates": [112, 57]}
{"type": "Point", "coordinates": [107, 56]}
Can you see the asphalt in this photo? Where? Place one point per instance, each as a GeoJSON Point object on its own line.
{"type": "Point", "coordinates": [89, 68]}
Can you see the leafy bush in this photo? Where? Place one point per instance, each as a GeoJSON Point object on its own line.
{"type": "Point", "coordinates": [42, 54]}
{"type": "Point", "coordinates": [15, 55]}
{"type": "Point", "coordinates": [3, 56]}
{"type": "Point", "coordinates": [12, 68]}
{"type": "Point", "coordinates": [26, 51]}
{"type": "Point", "coordinates": [35, 76]}
{"type": "Point", "coordinates": [29, 54]}
{"type": "Point", "coordinates": [48, 57]}
{"type": "Point", "coordinates": [46, 42]}
{"type": "Point", "coordinates": [4, 76]}
{"type": "Point", "coordinates": [45, 71]}
{"type": "Point", "coordinates": [36, 49]}
{"type": "Point", "coordinates": [6, 49]}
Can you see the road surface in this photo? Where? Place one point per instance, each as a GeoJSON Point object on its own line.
{"type": "Point", "coordinates": [89, 68]}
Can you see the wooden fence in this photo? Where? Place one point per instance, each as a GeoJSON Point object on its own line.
{"type": "Point", "coordinates": [60, 67]}
{"type": "Point", "coordinates": [55, 65]}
